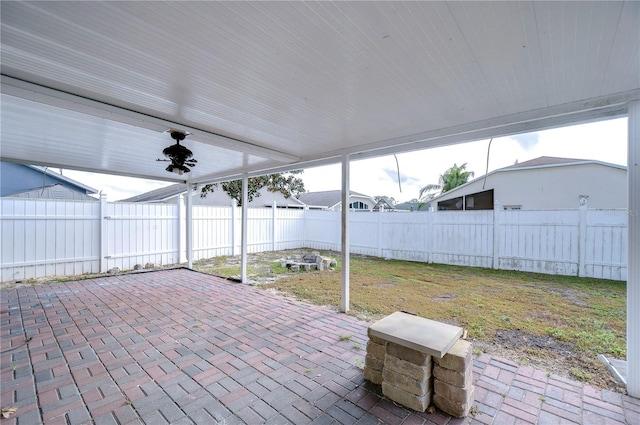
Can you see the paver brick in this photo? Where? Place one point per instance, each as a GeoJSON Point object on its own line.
{"type": "Point", "coordinates": [93, 340]}
{"type": "Point", "coordinates": [309, 409]}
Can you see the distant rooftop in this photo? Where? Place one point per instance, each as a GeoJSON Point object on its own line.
{"type": "Point", "coordinates": [158, 194]}
{"type": "Point", "coordinates": [544, 161]}
{"type": "Point", "coordinates": [327, 198]}
{"type": "Point", "coordinates": [50, 172]}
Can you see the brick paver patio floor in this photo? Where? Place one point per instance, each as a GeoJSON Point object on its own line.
{"type": "Point", "coordinates": [181, 347]}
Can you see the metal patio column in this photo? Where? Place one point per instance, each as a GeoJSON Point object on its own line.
{"type": "Point", "coordinates": [189, 227]}
{"type": "Point", "coordinates": [344, 306]}
{"type": "Point", "coordinates": [633, 263]}
{"type": "Point", "coordinates": [243, 243]}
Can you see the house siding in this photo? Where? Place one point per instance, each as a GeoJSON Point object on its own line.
{"type": "Point", "coordinates": [548, 188]}
{"type": "Point", "coordinates": [17, 178]}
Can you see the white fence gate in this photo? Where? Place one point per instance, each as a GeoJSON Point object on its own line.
{"type": "Point", "coordinates": [58, 238]}
{"type": "Point", "coordinates": [139, 234]}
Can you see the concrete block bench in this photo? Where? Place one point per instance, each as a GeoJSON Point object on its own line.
{"type": "Point", "coordinates": [417, 361]}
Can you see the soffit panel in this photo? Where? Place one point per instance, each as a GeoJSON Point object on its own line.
{"type": "Point", "coordinates": [317, 79]}
{"type": "Point", "coordinates": [51, 136]}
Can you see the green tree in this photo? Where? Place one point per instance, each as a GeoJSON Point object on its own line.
{"type": "Point", "coordinates": [453, 177]}
{"type": "Point", "coordinates": [286, 183]}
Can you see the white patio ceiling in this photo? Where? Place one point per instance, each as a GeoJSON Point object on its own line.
{"type": "Point", "coordinates": [266, 86]}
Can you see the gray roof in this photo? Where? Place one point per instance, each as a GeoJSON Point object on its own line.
{"type": "Point", "coordinates": [545, 161]}
{"type": "Point", "coordinates": [383, 203]}
{"type": "Point", "coordinates": [158, 194]}
{"type": "Point", "coordinates": [50, 172]}
{"type": "Point", "coordinates": [56, 191]}
{"type": "Point", "coordinates": [327, 198]}
{"type": "Point", "coordinates": [218, 197]}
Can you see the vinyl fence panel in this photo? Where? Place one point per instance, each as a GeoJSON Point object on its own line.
{"type": "Point", "coordinates": [364, 235]}
{"type": "Point", "coordinates": [405, 236]}
{"type": "Point", "coordinates": [57, 238]}
{"type": "Point", "coordinates": [463, 238]}
{"type": "Point", "coordinates": [260, 232]}
{"type": "Point", "coordinates": [322, 230]}
{"type": "Point", "coordinates": [289, 228]}
{"type": "Point", "coordinates": [606, 244]}
{"type": "Point", "coordinates": [139, 234]}
{"type": "Point", "coordinates": [48, 238]}
{"type": "Point", "coordinates": [539, 241]}
{"type": "Point", "coordinates": [212, 232]}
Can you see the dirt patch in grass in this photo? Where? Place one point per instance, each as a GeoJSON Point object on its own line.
{"type": "Point", "coordinates": [531, 342]}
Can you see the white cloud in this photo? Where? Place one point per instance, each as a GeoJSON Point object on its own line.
{"type": "Point", "coordinates": [527, 141]}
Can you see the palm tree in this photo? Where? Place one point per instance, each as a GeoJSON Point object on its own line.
{"type": "Point", "coordinates": [453, 177]}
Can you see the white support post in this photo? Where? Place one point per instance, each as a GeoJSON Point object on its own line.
{"type": "Point", "coordinates": [182, 242]}
{"type": "Point", "coordinates": [633, 263]}
{"type": "Point", "coordinates": [582, 236]}
{"type": "Point", "coordinates": [245, 221]}
{"type": "Point", "coordinates": [338, 234]}
{"type": "Point", "coordinates": [104, 241]}
{"type": "Point", "coordinates": [274, 208]}
{"type": "Point", "coordinates": [380, 233]}
{"type": "Point", "coordinates": [497, 209]}
{"type": "Point", "coordinates": [305, 216]}
{"type": "Point", "coordinates": [429, 215]}
{"type": "Point", "coordinates": [232, 228]}
{"type": "Point", "coordinates": [189, 227]}
{"type": "Point", "coordinates": [344, 306]}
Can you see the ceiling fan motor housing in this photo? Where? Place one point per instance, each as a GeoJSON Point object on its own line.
{"type": "Point", "coordinates": [180, 156]}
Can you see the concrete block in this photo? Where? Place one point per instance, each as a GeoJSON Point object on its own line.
{"type": "Point", "coordinates": [419, 373]}
{"type": "Point", "coordinates": [406, 383]}
{"type": "Point", "coordinates": [373, 362]}
{"type": "Point", "coordinates": [373, 375]}
{"type": "Point", "coordinates": [418, 403]}
{"type": "Point", "coordinates": [418, 333]}
{"type": "Point", "coordinates": [458, 357]}
{"type": "Point", "coordinates": [408, 354]}
{"type": "Point", "coordinates": [451, 392]}
{"type": "Point", "coordinates": [459, 379]}
{"type": "Point", "coordinates": [376, 350]}
{"type": "Point", "coordinates": [453, 407]}
{"type": "Point", "coordinates": [376, 339]}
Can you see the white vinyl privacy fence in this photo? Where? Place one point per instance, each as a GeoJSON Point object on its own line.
{"type": "Point", "coordinates": [58, 238]}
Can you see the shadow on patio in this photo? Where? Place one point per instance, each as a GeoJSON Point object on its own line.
{"type": "Point", "coordinates": [181, 347]}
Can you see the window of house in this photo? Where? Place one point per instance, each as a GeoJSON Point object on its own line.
{"type": "Point", "coordinates": [454, 204]}
{"type": "Point", "coordinates": [479, 201]}
{"type": "Point", "coordinates": [358, 205]}
{"type": "Point", "coordinates": [475, 201]}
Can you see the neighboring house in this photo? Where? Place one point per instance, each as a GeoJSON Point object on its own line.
{"type": "Point", "coordinates": [543, 183]}
{"type": "Point", "coordinates": [384, 205]}
{"type": "Point", "coordinates": [217, 198]}
{"type": "Point", "coordinates": [30, 181]}
{"type": "Point", "coordinates": [331, 200]}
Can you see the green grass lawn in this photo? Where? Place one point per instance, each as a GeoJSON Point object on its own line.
{"type": "Point", "coordinates": [589, 313]}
